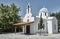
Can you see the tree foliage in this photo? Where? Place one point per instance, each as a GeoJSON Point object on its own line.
{"type": "Point", "coordinates": [41, 23]}
{"type": "Point", "coordinates": [9, 16]}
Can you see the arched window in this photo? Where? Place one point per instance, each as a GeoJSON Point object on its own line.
{"type": "Point", "coordinates": [45, 14]}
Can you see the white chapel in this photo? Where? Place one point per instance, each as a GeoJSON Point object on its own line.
{"type": "Point", "coordinates": [31, 24]}
{"type": "Point", "coordinates": [50, 23]}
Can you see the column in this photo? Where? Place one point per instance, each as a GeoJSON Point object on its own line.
{"type": "Point", "coordinates": [23, 29]}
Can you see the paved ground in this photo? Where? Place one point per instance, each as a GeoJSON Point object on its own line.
{"type": "Point", "coordinates": [22, 36]}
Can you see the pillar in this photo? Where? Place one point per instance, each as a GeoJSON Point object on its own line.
{"type": "Point", "coordinates": [23, 29]}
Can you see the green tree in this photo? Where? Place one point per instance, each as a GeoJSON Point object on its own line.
{"type": "Point", "coordinates": [41, 23]}
{"type": "Point", "coordinates": [9, 16]}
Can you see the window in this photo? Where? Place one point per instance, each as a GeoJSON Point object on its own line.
{"type": "Point", "coordinates": [45, 14]}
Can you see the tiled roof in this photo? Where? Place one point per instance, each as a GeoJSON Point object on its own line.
{"type": "Point", "coordinates": [23, 23]}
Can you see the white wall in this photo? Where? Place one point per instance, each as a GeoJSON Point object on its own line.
{"type": "Point", "coordinates": [30, 19]}
{"type": "Point", "coordinates": [55, 27]}
{"type": "Point", "coordinates": [49, 27]}
{"type": "Point", "coordinates": [45, 25]}
{"type": "Point", "coordinates": [34, 26]}
{"type": "Point", "coordinates": [52, 25]}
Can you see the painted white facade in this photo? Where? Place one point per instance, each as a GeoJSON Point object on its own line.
{"type": "Point", "coordinates": [50, 23]}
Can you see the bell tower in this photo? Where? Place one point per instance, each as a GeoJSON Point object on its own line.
{"type": "Point", "coordinates": [44, 13]}
{"type": "Point", "coordinates": [28, 11]}
{"type": "Point", "coordinates": [28, 16]}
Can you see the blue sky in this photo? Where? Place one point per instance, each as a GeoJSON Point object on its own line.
{"type": "Point", "coordinates": [51, 5]}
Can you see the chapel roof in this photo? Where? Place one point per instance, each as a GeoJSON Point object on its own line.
{"type": "Point", "coordinates": [43, 10]}
{"type": "Point", "coordinates": [23, 23]}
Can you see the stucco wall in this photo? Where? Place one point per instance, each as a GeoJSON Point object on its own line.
{"type": "Point", "coordinates": [34, 26]}
{"type": "Point", "coordinates": [49, 27]}
{"type": "Point", "coordinates": [55, 27]}
{"type": "Point", "coordinates": [30, 19]}
{"type": "Point", "coordinates": [52, 25]}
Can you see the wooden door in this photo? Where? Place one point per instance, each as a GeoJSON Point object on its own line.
{"type": "Point", "coordinates": [28, 29]}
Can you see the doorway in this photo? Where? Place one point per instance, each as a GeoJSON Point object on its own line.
{"type": "Point", "coordinates": [28, 29]}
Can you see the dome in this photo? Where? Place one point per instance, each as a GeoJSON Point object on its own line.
{"type": "Point", "coordinates": [44, 10]}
